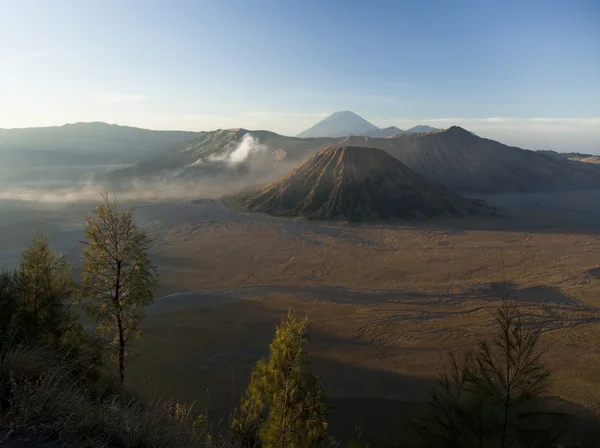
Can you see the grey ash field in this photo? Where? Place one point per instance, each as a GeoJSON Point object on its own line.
{"type": "Point", "coordinates": [385, 301]}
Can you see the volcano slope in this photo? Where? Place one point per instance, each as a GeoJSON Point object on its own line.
{"type": "Point", "coordinates": [466, 163]}
{"type": "Point", "coordinates": [355, 184]}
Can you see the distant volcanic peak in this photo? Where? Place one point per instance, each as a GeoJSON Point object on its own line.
{"type": "Point", "coordinates": [88, 123]}
{"type": "Point", "coordinates": [421, 128]}
{"type": "Point", "coordinates": [340, 124]}
{"type": "Point", "coordinates": [233, 131]}
{"type": "Point", "coordinates": [385, 132]}
{"type": "Point", "coordinates": [392, 129]}
{"type": "Point", "coordinates": [458, 130]}
{"type": "Point", "coordinates": [347, 123]}
{"type": "Point", "coordinates": [342, 113]}
{"type": "Point", "coordinates": [354, 183]}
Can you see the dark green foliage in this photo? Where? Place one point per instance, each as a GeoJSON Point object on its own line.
{"type": "Point", "coordinates": [43, 285]}
{"type": "Point", "coordinates": [8, 302]}
{"type": "Point", "coordinates": [358, 439]}
{"type": "Point", "coordinates": [44, 390]}
{"type": "Point", "coordinates": [283, 405]}
{"type": "Point", "coordinates": [490, 397]}
{"type": "Point", "coordinates": [53, 379]}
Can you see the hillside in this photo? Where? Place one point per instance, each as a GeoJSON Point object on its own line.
{"type": "Point", "coordinates": [214, 145]}
{"type": "Point", "coordinates": [590, 159]}
{"type": "Point", "coordinates": [462, 161]}
{"type": "Point", "coordinates": [84, 143]}
{"type": "Point", "coordinates": [356, 184]}
{"type": "Point", "coordinates": [575, 156]}
{"type": "Point", "coordinates": [384, 133]}
{"type": "Point", "coordinates": [421, 128]}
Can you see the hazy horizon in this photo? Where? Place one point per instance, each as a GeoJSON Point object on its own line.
{"type": "Point", "coordinates": [527, 75]}
{"type": "Point", "coordinates": [534, 133]}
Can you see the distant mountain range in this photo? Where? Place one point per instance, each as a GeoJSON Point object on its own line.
{"type": "Point", "coordinates": [346, 123]}
{"type": "Point", "coordinates": [83, 144]}
{"type": "Point", "coordinates": [382, 133]}
{"type": "Point", "coordinates": [454, 158]}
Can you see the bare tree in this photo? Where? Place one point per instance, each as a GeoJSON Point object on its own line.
{"type": "Point", "coordinates": [119, 279]}
{"type": "Point", "coordinates": [509, 373]}
{"type": "Point", "coordinates": [490, 397]}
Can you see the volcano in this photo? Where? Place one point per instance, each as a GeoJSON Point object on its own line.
{"type": "Point", "coordinates": [355, 184]}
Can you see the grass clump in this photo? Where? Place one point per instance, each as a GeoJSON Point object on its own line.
{"type": "Point", "coordinates": [43, 391]}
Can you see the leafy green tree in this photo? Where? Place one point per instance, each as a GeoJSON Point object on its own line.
{"type": "Point", "coordinates": [119, 279]}
{"type": "Point", "coordinates": [283, 405]}
{"type": "Point", "coordinates": [490, 397]}
{"type": "Point", "coordinates": [44, 284]}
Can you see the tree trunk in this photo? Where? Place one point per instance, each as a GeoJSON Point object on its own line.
{"type": "Point", "coordinates": [506, 402]}
{"type": "Point", "coordinates": [35, 299]}
{"type": "Point", "coordinates": [120, 328]}
{"type": "Point", "coordinates": [121, 349]}
{"type": "Point", "coordinates": [504, 425]}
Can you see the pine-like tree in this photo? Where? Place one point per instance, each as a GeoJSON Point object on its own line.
{"type": "Point", "coordinates": [8, 303]}
{"type": "Point", "coordinates": [490, 398]}
{"type": "Point", "coordinates": [44, 283]}
{"type": "Point", "coordinates": [283, 405]}
{"type": "Point", "coordinates": [118, 277]}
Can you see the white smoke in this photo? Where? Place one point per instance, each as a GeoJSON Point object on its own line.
{"type": "Point", "coordinates": [247, 145]}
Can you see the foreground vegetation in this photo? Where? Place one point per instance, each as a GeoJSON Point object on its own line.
{"type": "Point", "coordinates": [60, 379]}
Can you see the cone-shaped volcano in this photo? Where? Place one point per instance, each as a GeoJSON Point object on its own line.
{"type": "Point", "coordinates": [355, 184]}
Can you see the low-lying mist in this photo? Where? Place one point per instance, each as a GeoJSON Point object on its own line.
{"type": "Point", "coordinates": [137, 189]}
{"type": "Point", "coordinates": [213, 180]}
{"type": "Point", "coordinates": [245, 164]}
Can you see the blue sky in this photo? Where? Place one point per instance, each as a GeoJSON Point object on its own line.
{"type": "Point", "coordinates": [524, 72]}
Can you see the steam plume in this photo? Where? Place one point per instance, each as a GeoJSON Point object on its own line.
{"type": "Point", "coordinates": [247, 145]}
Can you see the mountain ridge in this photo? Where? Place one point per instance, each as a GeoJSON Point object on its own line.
{"type": "Point", "coordinates": [346, 123]}
{"type": "Point", "coordinates": [390, 131]}
{"type": "Point", "coordinates": [421, 128]}
{"type": "Point", "coordinates": [453, 157]}
{"type": "Point", "coordinates": [84, 143]}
